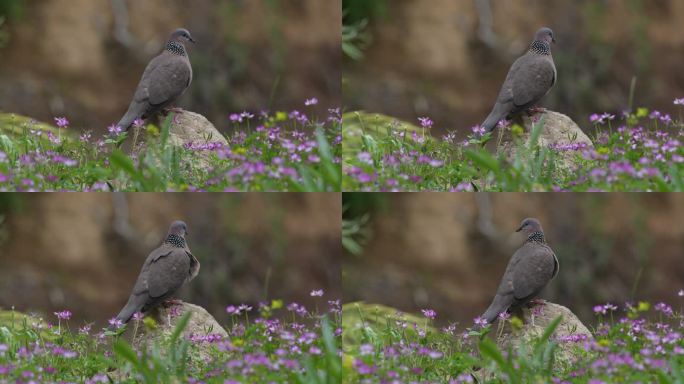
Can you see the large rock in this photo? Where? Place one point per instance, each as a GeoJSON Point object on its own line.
{"type": "Point", "coordinates": [559, 133]}
{"type": "Point", "coordinates": [536, 319]}
{"type": "Point", "coordinates": [193, 128]}
{"type": "Point", "coordinates": [202, 328]}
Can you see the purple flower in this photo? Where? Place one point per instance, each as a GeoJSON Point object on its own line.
{"type": "Point", "coordinates": [600, 119]}
{"type": "Point", "coordinates": [679, 101]}
{"type": "Point", "coordinates": [425, 122]}
{"type": "Point", "coordinates": [479, 130]}
{"type": "Point", "coordinates": [366, 349]}
{"type": "Point", "coordinates": [116, 323]}
{"type": "Point", "coordinates": [429, 313]}
{"type": "Point", "coordinates": [311, 101]}
{"type": "Point", "coordinates": [680, 293]}
{"type": "Point", "coordinates": [63, 315]}
{"type": "Point", "coordinates": [138, 316]}
{"type": "Point", "coordinates": [138, 123]}
{"type": "Point", "coordinates": [62, 122]}
{"type": "Point", "coordinates": [317, 293]}
{"type": "Point", "coordinates": [480, 322]}
{"type": "Point", "coordinates": [114, 130]}
{"type": "Point", "coordinates": [664, 308]}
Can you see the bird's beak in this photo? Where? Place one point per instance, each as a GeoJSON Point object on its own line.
{"type": "Point", "coordinates": [191, 40]}
{"type": "Point", "coordinates": [553, 40]}
{"type": "Point", "coordinates": [519, 229]}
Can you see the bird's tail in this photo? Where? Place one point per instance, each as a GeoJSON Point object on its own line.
{"type": "Point", "coordinates": [131, 307]}
{"type": "Point", "coordinates": [499, 304]}
{"type": "Point", "coordinates": [499, 112]}
{"type": "Point", "coordinates": [131, 115]}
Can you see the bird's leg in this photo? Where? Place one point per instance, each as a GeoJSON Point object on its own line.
{"type": "Point", "coordinates": [535, 110]}
{"type": "Point", "coordinates": [535, 302]}
{"type": "Point", "coordinates": [171, 302]}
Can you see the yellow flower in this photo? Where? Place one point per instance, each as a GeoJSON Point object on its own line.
{"type": "Point", "coordinates": [280, 116]}
{"type": "Point", "coordinates": [347, 361]}
{"type": "Point", "coordinates": [276, 304]}
{"type": "Point", "coordinates": [642, 112]}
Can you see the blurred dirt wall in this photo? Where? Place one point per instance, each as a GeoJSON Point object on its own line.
{"type": "Point", "coordinates": [84, 251]}
{"type": "Point", "coordinates": [447, 59]}
{"type": "Point", "coordinates": [83, 58]}
{"type": "Point", "coordinates": [448, 251]}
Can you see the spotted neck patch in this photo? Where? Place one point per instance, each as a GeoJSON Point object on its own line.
{"type": "Point", "coordinates": [176, 48]}
{"type": "Point", "coordinates": [537, 237]}
{"type": "Point", "coordinates": [540, 47]}
{"type": "Point", "coordinates": [175, 240]}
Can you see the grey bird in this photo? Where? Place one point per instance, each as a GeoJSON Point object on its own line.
{"type": "Point", "coordinates": [529, 79]}
{"type": "Point", "coordinates": [166, 269]}
{"type": "Point", "coordinates": [532, 266]}
{"type": "Point", "coordinates": [165, 79]}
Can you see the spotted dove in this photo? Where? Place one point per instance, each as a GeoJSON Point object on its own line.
{"type": "Point", "coordinates": [532, 266]}
{"type": "Point", "coordinates": [165, 79]}
{"type": "Point", "coordinates": [529, 79]}
{"type": "Point", "coordinates": [166, 269]}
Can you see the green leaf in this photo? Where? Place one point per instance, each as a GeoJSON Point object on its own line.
{"type": "Point", "coordinates": [484, 160]}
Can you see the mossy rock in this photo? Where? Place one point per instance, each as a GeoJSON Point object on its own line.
{"type": "Point", "coordinates": [13, 124]}
{"type": "Point", "coordinates": [13, 321]}
{"type": "Point", "coordinates": [358, 126]}
{"type": "Point", "coordinates": [361, 320]}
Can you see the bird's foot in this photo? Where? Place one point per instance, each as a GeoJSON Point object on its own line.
{"type": "Point", "coordinates": [534, 111]}
{"type": "Point", "coordinates": [175, 110]}
{"type": "Point", "coordinates": [535, 302]}
{"type": "Point", "coordinates": [171, 302]}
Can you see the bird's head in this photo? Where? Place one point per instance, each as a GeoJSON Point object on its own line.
{"type": "Point", "coordinates": [181, 35]}
{"type": "Point", "coordinates": [545, 34]}
{"type": "Point", "coordinates": [178, 228]}
{"type": "Point", "coordinates": [530, 226]}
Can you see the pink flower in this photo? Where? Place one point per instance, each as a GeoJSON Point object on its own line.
{"type": "Point", "coordinates": [425, 122]}
{"type": "Point", "coordinates": [62, 122]}
{"type": "Point", "coordinates": [317, 293]}
{"type": "Point", "coordinates": [63, 315]}
{"type": "Point", "coordinates": [429, 313]}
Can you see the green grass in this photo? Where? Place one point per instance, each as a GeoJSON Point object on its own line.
{"type": "Point", "coordinates": [635, 344]}
{"type": "Point", "coordinates": [279, 152]}
{"type": "Point", "coordinates": [641, 151]}
{"type": "Point", "coordinates": [276, 345]}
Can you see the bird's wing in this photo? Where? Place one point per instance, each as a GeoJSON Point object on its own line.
{"type": "Point", "coordinates": [167, 78]}
{"type": "Point", "coordinates": [168, 273]}
{"type": "Point", "coordinates": [507, 92]}
{"type": "Point", "coordinates": [533, 80]}
{"type": "Point", "coordinates": [534, 270]}
{"type": "Point", "coordinates": [194, 265]}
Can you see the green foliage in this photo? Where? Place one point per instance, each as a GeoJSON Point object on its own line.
{"type": "Point", "coordinates": [355, 39]}
{"type": "Point", "coordinates": [382, 345]}
{"type": "Point", "coordinates": [302, 350]}
{"type": "Point", "coordinates": [355, 233]}
{"type": "Point", "coordinates": [11, 9]}
{"type": "Point", "coordinates": [356, 11]}
{"type": "Point", "coordinates": [284, 153]}
{"type": "Point", "coordinates": [644, 154]}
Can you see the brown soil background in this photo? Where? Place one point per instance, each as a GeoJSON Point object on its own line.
{"type": "Point", "coordinates": [84, 251]}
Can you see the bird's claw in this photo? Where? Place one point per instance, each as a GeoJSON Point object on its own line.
{"type": "Point", "coordinates": [171, 302]}
{"type": "Point", "coordinates": [535, 110]}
